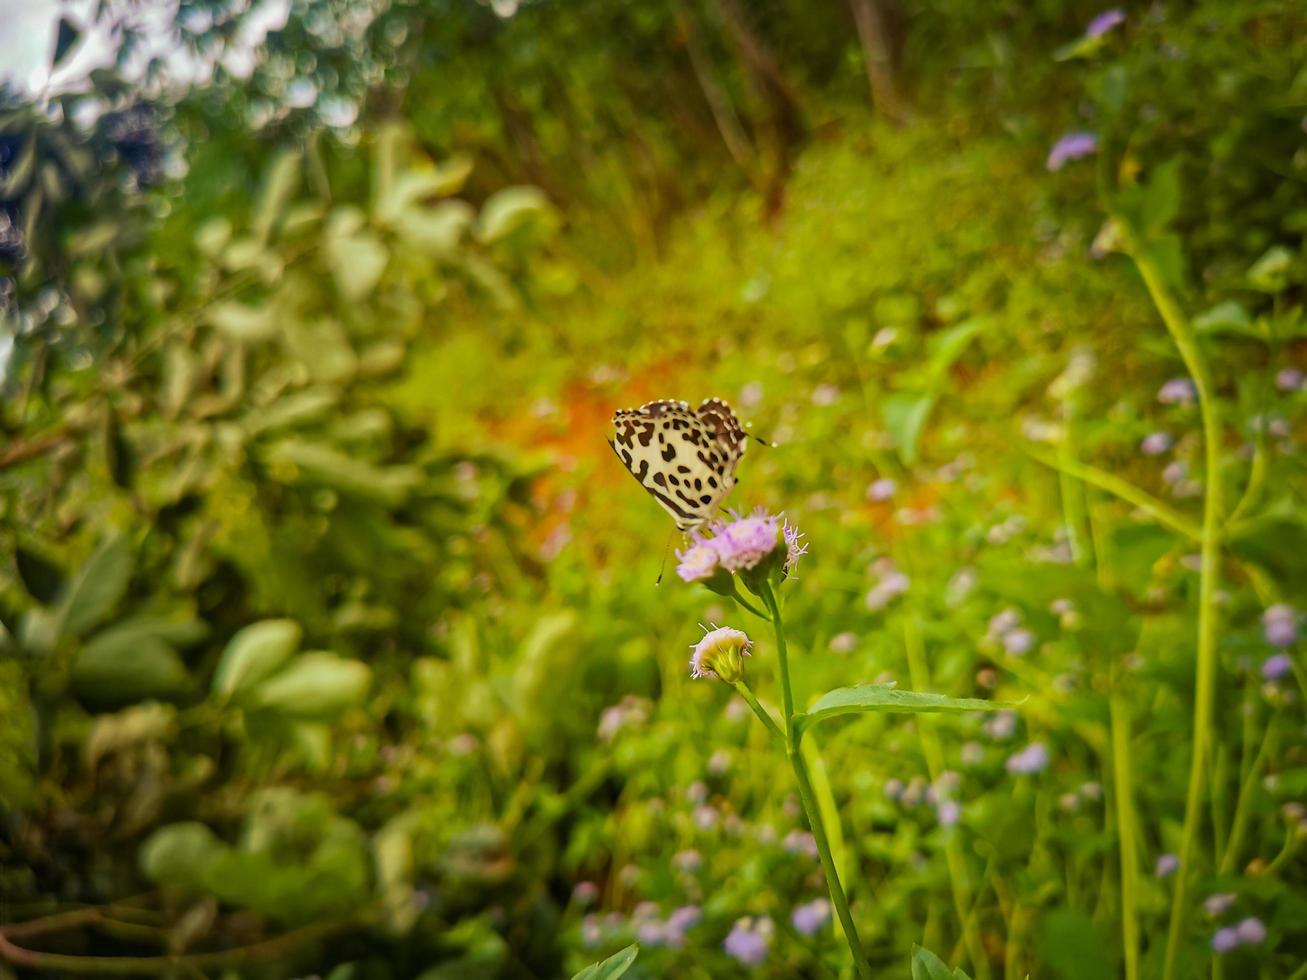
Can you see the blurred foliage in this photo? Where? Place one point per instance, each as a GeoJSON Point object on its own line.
{"type": "Point", "coordinates": [328, 614]}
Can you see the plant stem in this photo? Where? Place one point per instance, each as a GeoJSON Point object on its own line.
{"type": "Point", "coordinates": [1122, 774]}
{"type": "Point", "coordinates": [1187, 344]}
{"type": "Point", "coordinates": [793, 735]}
{"type": "Point", "coordinates": [746, 603]}
{"type": "Point", "coordinates": [759, 710]}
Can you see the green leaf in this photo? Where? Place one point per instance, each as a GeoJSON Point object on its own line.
{"type": "Point", "coordinates": [180, 854]}
{"type": "Point", "coordinates": [1161, 201]}
{"type": "Point", "coordinates": [905, 416]}
{"type": "Point", "coordinates": [510, 209]}
{"type": "Point", "coordinates": [886, 697]}
{"type": "Point", "coordinates": [357, 262]}
{"type": "Point", "coordinates": [927, 966]}
{"type": "Point", "coordinates": [1230, 318]}
{"type": "Point", "coordinates": [42, 578]}
{"type": "Point", "coordinates": [279, 183]}
{"type": "Point", "coordinates": [123, 665]}
{"type": "Point", "coordinates": [1270, 273]}
{"type": "Point", "coordinates": [315, 685]}
{"type": "Point", "coordinates": [254, 654]}
{"type": "Point", "coordinates": [611, 968]}
{"type": "Point", "coordinates": [99, 587]}
{"type": "Point", "coordinates": [242, 322]}
{"type": "Point", "coordinates": [1071, 947]}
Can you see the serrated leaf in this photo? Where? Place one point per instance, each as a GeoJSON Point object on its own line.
{"type": "Point", "coordinates": [886, 697]}
{"type": "Point", "coordinates": [611, 968]}
{"type": "Point", "coordinates": [255, 653]}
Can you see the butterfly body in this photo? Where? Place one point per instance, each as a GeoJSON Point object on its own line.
{"type": "Point", "coordinates": [684, 457]}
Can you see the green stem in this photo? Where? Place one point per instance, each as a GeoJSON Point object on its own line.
{"type": "Point", "coordinates": [1246, 789]}
{"type": "Point", "coordinates": [759, 710]}
{"type": "Point", "coordinates": [808, 797]}
{"type": "Point", "coordinates": [1125, 828]}
{"type": "Point", "coordinates": [1187, 344]}
{"type": "Point", "coordinates": [735, 594]}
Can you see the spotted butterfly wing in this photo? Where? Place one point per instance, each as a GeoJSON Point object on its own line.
{"type": "Point", "coordinates": [684, 457]}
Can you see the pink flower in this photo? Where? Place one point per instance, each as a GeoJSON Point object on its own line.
{"type": "Point", "coordinates": [697, 562]}
{"type": "Point", "coordinates": [1106, 21]}
{"type": "Point", "coordinates": [1073, 146]}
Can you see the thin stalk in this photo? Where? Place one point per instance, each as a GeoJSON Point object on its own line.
{"type": "Point", "coordinates": [1240, 824]}
{"type": "Point", "coordinates": [1123, 775]}
{"type": "Point", "coordinates": [735, 594]}
{"type": "Point", "coordinates": [752, 701]}
{"type": "Point", "coordinates": [808, 798]}
{"type": "Point", "coordinates": [953, 857]}
{"type": "Point", "coordinates": [1186, 343]}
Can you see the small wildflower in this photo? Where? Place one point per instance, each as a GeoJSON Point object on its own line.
{"type": "Point", "coordinates": [1070, 802]}
{"type": "Point", "coordinates": [1290, 379]}
{"type": "Point", "coordinates": [1091, 791]}
{"type": "Point", "coordinates": [1166, 865]}
{"type": "Point", "coordinates": [1224, 940]}
{"type": "Point", "coordinates": [1030, 760]}
{"type": "Point", "coordinates": [1018, 642]}
{"type": "Point", "coordinates": [1276, 667]}
{"type": "Point", "coordinates": [809, 918]}
{"type": "Point", "coordinates": [697, 792]}
{"type": "Point", "coordinates": [719, 762]}
{"type": "Point", "coordinates": [706, 817]}
{"type": "Point", "coordinates": [688, 860]}
{"type": "Point", "coordinates": [719, 654]}
{"type": "Point", "coordinates": [743, 543]}
{"type": "Point", "coordinates": [973, 753]}
{"type": "Point", "coordinates": [882, 489]}
{"type": "Point", "coordinates": [1250, 931]}
{"type": "Point", "coordinates": [1156, 443]}
{"type": "Point", "coordinates": [749, 940]}
{"type": "Point", "coordinates": [1280, 625]}
{"type": "Point", "coordinates": [800, 842]}
{"type": "Point", "coordinates": [679, 922]}
{"type": "Point", "coordinates": [794, 550]}
{"type": "Point", "coordinates": [844, 642]}
{"type": "Point", "coordinates": [1001, 726]}
{"type": "Point", "coordinates": [825, 394]}
{"type": "Point", "coordinates": [1218, 904]}
{"type": "Point", "coordinates": [948, 812]}
{"type": "Point", "coordinates": [751, 395]}
{"type": "Point", "coordinates": [592, 931]}
{"type": "Point", "coordinates": [1177, 391]}
{"type": "Point", "coordinates": [1106, 21]}
{"type": "Point", "coordinates": [1073, 146]}
{"type": "Point", "coordinates": [697, 562]}
{"type": "Point", "coordinates": [585, 892]}
{"type": "Point", "coordinates": [893, 788]}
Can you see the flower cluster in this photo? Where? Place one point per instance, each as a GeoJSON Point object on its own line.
{"type": "Point", "coordinates": [749, 940]}
{"type": "Point", "coordinates": [1249, 932]}
{"type": "Point", "coordinates": [739, 545]}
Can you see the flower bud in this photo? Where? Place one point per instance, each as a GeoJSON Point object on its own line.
{"type": "Point", "coordinates": [720, 654]}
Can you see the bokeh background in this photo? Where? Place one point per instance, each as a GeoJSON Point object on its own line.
{"type": "Point", "coordinates": [330, 642]}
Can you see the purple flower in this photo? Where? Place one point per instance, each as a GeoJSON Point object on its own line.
{"type": "Point", "coordinates": [749, 940]}
{"type": "Point", "coordinates": [743, 543]}
{"type": "Point", "coordinates": [1032, 759]}
{"type": "Point", "coordinates": [718, 654]}
{"type": "Point", "coordinates": [1177, 391]}
{"type": "Point", "coordinates": [1224, 940]}
{"type": "Point", "coordinates": [1073, 146]}
{"type": "Point", "coordinates": [793, 549]}
{"type": "Point", "coordinates": [1273, 668]}
{"type": "Point", "coordinates": [800, 842]}
{"type": "Point", "coordinates": [1250, 931]}
{"type": "Point", "coordinates": [1166, 865]}
{"type": "Point", "coordinates": [809, 917]}
{"type": "Point", "coordinates": [948, 813]}
{"type": "Point", "coordinates": [689, 860]}
{"type": "Point", "coordinates": [1156, 443]}
{"type": "Point", "coordinates": [697, 562]}
{"type": "Point", "coordinates": [1217, 905]}
{"type": "Point", "coordinates": [1280, 625]}
{"type": "Point", "coordinates": [678, 923]}
{"type": "Point", "coordinates": [1105, 22]}
{"type": "Point", "coordinates": [1018, 641]}
{"type": "Point", "coordinates": [592, 931]}
{"type": "Point", "coordinates": [1002, 725]}
{"type": "Point", "coordinates": [882, 489]}
{"type": "Point", "coordinates": [1290, 379]}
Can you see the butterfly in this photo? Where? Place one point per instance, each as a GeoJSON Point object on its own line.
{"type": "Point", "coordinates": [684, 457]}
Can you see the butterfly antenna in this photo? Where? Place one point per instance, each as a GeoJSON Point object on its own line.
{"type": "Point", "coordinates": [757, 438]}
{"type": "Point", "coordinates": [663, 567]}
